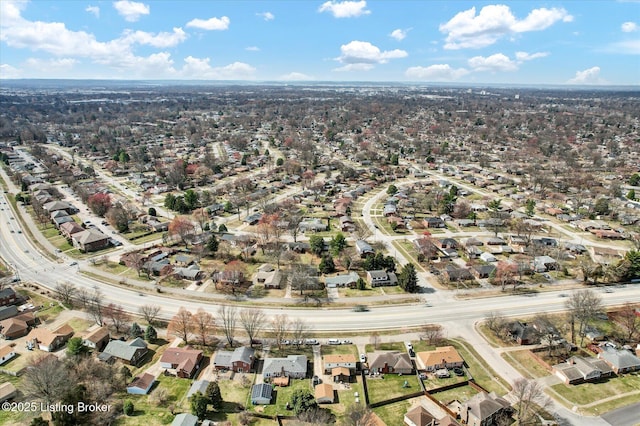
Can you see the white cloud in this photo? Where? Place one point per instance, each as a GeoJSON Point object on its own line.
{"type": "Point", "coordinates": [267, 16]}
{"type": "Point", "coordinates": [7, 71]}
{"type": "Point", "coordinates": [524, 56]}
{"type": "Point", "coordinates": [493, 63]}
{"type": "Point", "coordinates": [399, 34]}
{"type": "Point", "coordinates": [295, 76]}
{"type": "Point", "coordinates": [629, 27]}
{"type": "Point", "coordinates": [345, 9]}
{"type": "Point", "coordinates": [159, 40]}
{"type": "Point", "coordinates": [438, 72]}
{"type": "Point", "coordinates": [252, 48]}
{"type": "Point", "coordinates": [362, 56]}
{"type": "Point", "coordinates": [199, 68]}
{"type": "Point", "coordinates": [95, 10]}
{"type": "Point", "coordinates": [131, 11]}
{"type": "Point", "coordinates": [627, 47]}
{"type": "Point", "coordinates": [468, 30]}
{"type": "Point", "coordinates": [51, 65]}
{"type": "Point", "coordinates": [211, 24]}
{"type": "Point", "coordinates": [588, 76]}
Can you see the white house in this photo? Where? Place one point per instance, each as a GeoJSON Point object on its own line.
{"type": "Point", "coordinates": [6, 353]}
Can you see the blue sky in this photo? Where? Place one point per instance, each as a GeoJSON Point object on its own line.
{"type": "Point", "coordinates": [515, 42]}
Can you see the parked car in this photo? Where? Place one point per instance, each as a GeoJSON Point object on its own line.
{"type": "Point", "coordinates": [346, 342]}
{"type": "Point", "coordinates": [458, 371]}
{"type": "Point", "coordinates": [73, 263]}
{"type": "Point", "coordinates": [363, 358]}
{"type": "Point", "coordinates": [334, 341]}
{"type": "Point", "coordinates": [310, 342]}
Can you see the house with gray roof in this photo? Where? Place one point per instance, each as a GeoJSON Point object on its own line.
{"type": "Point", "coordinates": [239, 360]}
{"type": "Point", "coordinates": [128, 352]}
{"type": "Point", "coordinates": [185, 419]}
{"type": "Point", "coordinates": [294, 366]}
{"type": "Point", "coordinates": [344, 280]}
{"type": "Point", "coordinates": [387, 362]}
{"type": "Point", "coordinates": [364, 248]}
{"type": "Point", "coordinates": [198, 386]}
{"type": "Point", "coordinates": [379, 278]}
{"type": "Point", "coordinates": [620, 360]}
{"type": "Point", "coordinates": [90, 240]}
{"type": "Point", "coordinates": [261, 394]}
{"type": "Point", "coordinates": [485, 409]}
{"type": "Point", "coordinates": [579, 369]}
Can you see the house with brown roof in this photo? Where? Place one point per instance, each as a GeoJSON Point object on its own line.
{"type": "Point", "coordinates": [348, 361]}
{"type": "Point", "coordinates": [184, 362]}
{"type": "Point", "coordinates": [341, 374]}
{"type": "Point", "coordinates": [6, 353]}
{"type": "Point", "coordinates": [7, 391]}
{"type": "Point", "coordinates": [141, 385]}
{"type": "Point", "coordinates": [90, 240]}
{"type": "Point", "coordinates": [484, 409]}
{"type": "Point", "coordinates": [439, 358]}
{"type": "Point", "coordinates": [69, 229]}
{"type": "Point", "coordinates": [97, 338]}
{"type": "Point", "coordinates": [419, 416]}
{"type": "Point", "coordinates": [49, 341]}
{"type": "Point", "coordinates": [324, 393]}
{"type": "Point", "coordinates": [17, 326]}
{"type": "Point", "coordinates": [385, 362]}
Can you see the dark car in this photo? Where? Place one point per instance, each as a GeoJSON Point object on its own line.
{"type": "Point", "coordinates": [360, 308]}
{"type": "Point", "coordinates": [458, 371]}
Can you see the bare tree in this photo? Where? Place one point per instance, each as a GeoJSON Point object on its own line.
{"type": "Point", "coordinates": [299, 331]}
{"type": "Point", "coordinates": [496, 322]}
{"type": "Point", "coordinates": [361, 231]}
{"type": "Point", "coordinates": [358, 415]}
{"type": "Point", "coordinates": [83, 296]}
{"type": "Point", "coordinates": [433, 334]}
{"type": "Point", "coordinates": [375, 339]}
{"type": "Point", "coordinates": [252, 321]}
{"type": "Point", "coordinates": [279, 328]}
{"type": "Point", "coordinates": [150, 313]}
{"type": "Point", "coordinates": [228, 316]}
{"type": "Point", "coordinates": [137, 261]}
{"type": "Point", "coordinates": [66, 291]}
{"type": "Point", "coordinates": [629, 321]}
{"type": "Point", "coordinates": [583, 306]}
{"type": "Point", "coordinates": [180, 324]}
{"type": "Point", "coordinates": [117, 315]}
{"type": "Point", "coordinates": [46, 379]}
{"type": "Point", "coordinates": [203, 325]}
{"type": "Point", "coordinates": [96, 308]}
{"type": "Point", "coordinates": [529, 396]}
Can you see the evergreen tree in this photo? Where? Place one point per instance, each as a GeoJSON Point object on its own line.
{"type": "Point", "coordinates": [150, 334]}
{"type": "Point", "coordinates": [199, 404]}
{"type": "Point", "coordinates": [326, 265]}
{"type": "Point", "coordinates": [213, 395]}
{"type": "Point", "coordinates": [408, 278]}
{"type": "Point", "coordinates": [135, 330]}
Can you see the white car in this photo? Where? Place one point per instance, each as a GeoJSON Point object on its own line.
{"type": "Point", "coordinates": [363, 358]}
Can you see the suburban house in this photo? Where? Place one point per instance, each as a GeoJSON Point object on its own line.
{"type": "Point", "coordinates": [184, 362]}
{"type": "Point", "coordinates": [17, 326]}
{"type": "Point", "coordinates": [454, 274]}
{"type": "Point", "coordinates": [69, 229]}
{"type": "Point", "coordinates": [390, 362]}
{"type": "Point", "coordinates": [7, 296]}
{"type": "Point", "coordinates": [346, 224]}
{"type": "Point", "coordinates": [128, 352]}
{"type": "Point", "coordinates": [239, 360]}
{"type": "Point", "coordinates": [261, 394]}
{"type": "Point", "coordinates": [198, 386]}
{"type": "Point", "coordinates": [97, 338]}
{"type": "Point", "coordinates": [344, 280]}
{"type": "Point", "coordinates": [348, 361]}
{"type": "Point", "coordinates": [294, 366]}
{"type": "Point", "coordinates": [8, 312]}
{"type": "Point", "coordinates": [523, 333]}
{"type": "Point", "coordinates": [53, 206]}
{"type": "Point", "coordinates": [341, 374]}
{"type": "Point", "coordinates": [185, 419]}
{"type": "Point", "coordinates": [545, 263]}
{"type": "Point", "coordinates": [482, 271]}
{"type": "Point", "coordinates": [141, 385]}
{"type": "Point", "coordinates": [6, 353]}
{"type": "Point", "coordinates": [484, 409]}
{"type": "Point", "coordinates": [364, 249]}
{"type": "Point", "coordinates": [433, 222]}
{"type": "Point", "coordinates": [49, 341]}
{"type": "Point", "coordinates": [324, 393]}
{"type": "Point", "coordinates": [439, 358]}
{"type": "Point", "coordinates": [379, 278]}
{"type": "Point", "coordinates": [419, 416]}
{"type": "Point", "coordinates": [579, 369]}
{"type": "Point", "coordinates": [7, 391]}
{"type": "Point", "coordinates": [620, 360]}
{"type": "Point", "coordinates": [90, 240]}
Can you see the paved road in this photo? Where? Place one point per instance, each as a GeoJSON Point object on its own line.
{"type": "Point", "coordinates": [626, 416]}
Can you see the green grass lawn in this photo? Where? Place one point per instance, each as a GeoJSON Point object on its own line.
{"type": "Point", "coordinates": [283, 395]}
{"type": "Point", "coordinates": [346, 397]}
{"type": "Point", "coordinates": [422, 346]}
{"type": "Point", "coordinates": [393, 414]}
{"type": "Point", "coordinates": [525, 364]}
{"type": "Point", "coordinates": [391, 386]}
{"type": "Point", "coordinates": [274, 352]}
{"type": "Point", "coordinates": [436, 383]}
{"type": "Point", "coordinates": [462, 393]}
{"type": "Point", "coordinates": [15, 364]}
{"type": "Point", "coordinates": [339, 350]}
{"type": "Point", "coordinates": [148, 412]}
{"type": "Point", "coordinates": [587, 393]}
{"type": "Point", "coordinates": [386, 346]}
{"type": "Point", "coordinates": [482, 373]}
{"type": "Point", "coordinates": [79, 324]}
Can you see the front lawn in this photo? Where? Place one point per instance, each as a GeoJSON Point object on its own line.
{"type": "Point", "coordinates": [392, 414]}
{"type": "Point", "coordinates": [482, 373]}
{"type": "Point", "coordinates": [523, 362]}
{"type": "Point", "coordinates": [587, 393]}
{"type": "Point", "coordinates": [462, 393]}
{"type": "Point", "coordinates": [339, 350]}
{"type": "Point", "coordinates": [385, 346]}
{"type": "Point", "coordinates": [391, 386]}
